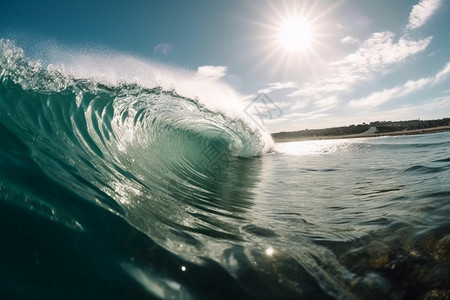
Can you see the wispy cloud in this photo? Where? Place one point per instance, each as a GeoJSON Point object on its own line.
{"type": "Point", "coordinates": [310, 115]}
{"type": "Point", "coordinates": [212, 72]}
{"type": "Point", "coordinates": [350, 40]}
{"type": "Point", "coordinates": [423, 110]}
{"type": "Point", "coordinates": [411, 86]}
{"type": "Point", "coordinates": [442, 74]}
{"type": "Point", "coordinates": [163, 48]}
{"type": "Point", "coordinates": [421, 12]}
{"type": "Point", "coordinates": [278, 86]}
{"type": "Point", "coordinates": [375, 55]}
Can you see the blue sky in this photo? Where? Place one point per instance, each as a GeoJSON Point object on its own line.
{"type": "Point", "coordinates": [366, 60]}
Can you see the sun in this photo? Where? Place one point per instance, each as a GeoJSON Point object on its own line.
{"type": "Point", "coordinates": [292, 38]}
{"type": "Point", "coordinates": [295, 34]}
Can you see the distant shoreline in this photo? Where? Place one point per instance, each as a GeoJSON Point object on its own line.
{"type": "Point", "coordinates": [361, 135]}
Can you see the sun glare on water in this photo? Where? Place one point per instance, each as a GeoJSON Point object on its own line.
{"type": "Point", "coordinates": [295, 34]}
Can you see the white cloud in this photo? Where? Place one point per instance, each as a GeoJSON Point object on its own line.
{"type": "Point", "coordinates": [431, 109]}
{"type": "Point", "coordinates": [309, 115]}
{"type": "Point", "coordinates": [421, 12]}
{"type": "Point", "coordinates": [375, 55]}
{"type": "Point", "coordinates": [277, 86]}
{"type": "Point", "coordinates": [436, 104]}
{"type": "Point", "coordinates": [378, 52]}
{"type": "Point", "coordinates": [163, 48]}
{"type": "Point", "coordinates": [350, 40]}
{"type": "Point", "coordinates": [327, 103]}
{"type": "Point", "coordinates": [281, 85]}
{"type": "Point", "coordinates": [411, 86]}
{"type": "Point", "coordinates": [442, 74]}
{"type": "Point", "coordinates": [212, 72]}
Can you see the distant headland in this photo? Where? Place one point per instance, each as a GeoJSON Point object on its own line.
{"type": "Point", "coordinates": [373, 129]}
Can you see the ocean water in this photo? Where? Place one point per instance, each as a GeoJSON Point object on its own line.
{"type": "Point", "coordinates": [118, 186]}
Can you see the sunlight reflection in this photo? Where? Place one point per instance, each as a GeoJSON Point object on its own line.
{"type": "Point", "coordinates": [125, 191]}
{"type": "Point", "coordinates": [316, 147]}
{"type": "Point", "coordinates": [269, 251]}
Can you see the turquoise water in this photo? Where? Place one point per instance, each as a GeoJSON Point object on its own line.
{"type": "Point", "coordinates": [131, 191]}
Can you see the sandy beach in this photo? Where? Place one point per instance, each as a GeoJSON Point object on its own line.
{"type": "Point", "coordinates": [363, 135]}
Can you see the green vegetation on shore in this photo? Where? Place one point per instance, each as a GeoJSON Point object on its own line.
{"type": "Point", "coordinates": [381, 128]}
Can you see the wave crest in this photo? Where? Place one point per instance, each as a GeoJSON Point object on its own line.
{"type": "Point", "coordinates": [158, 104]}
